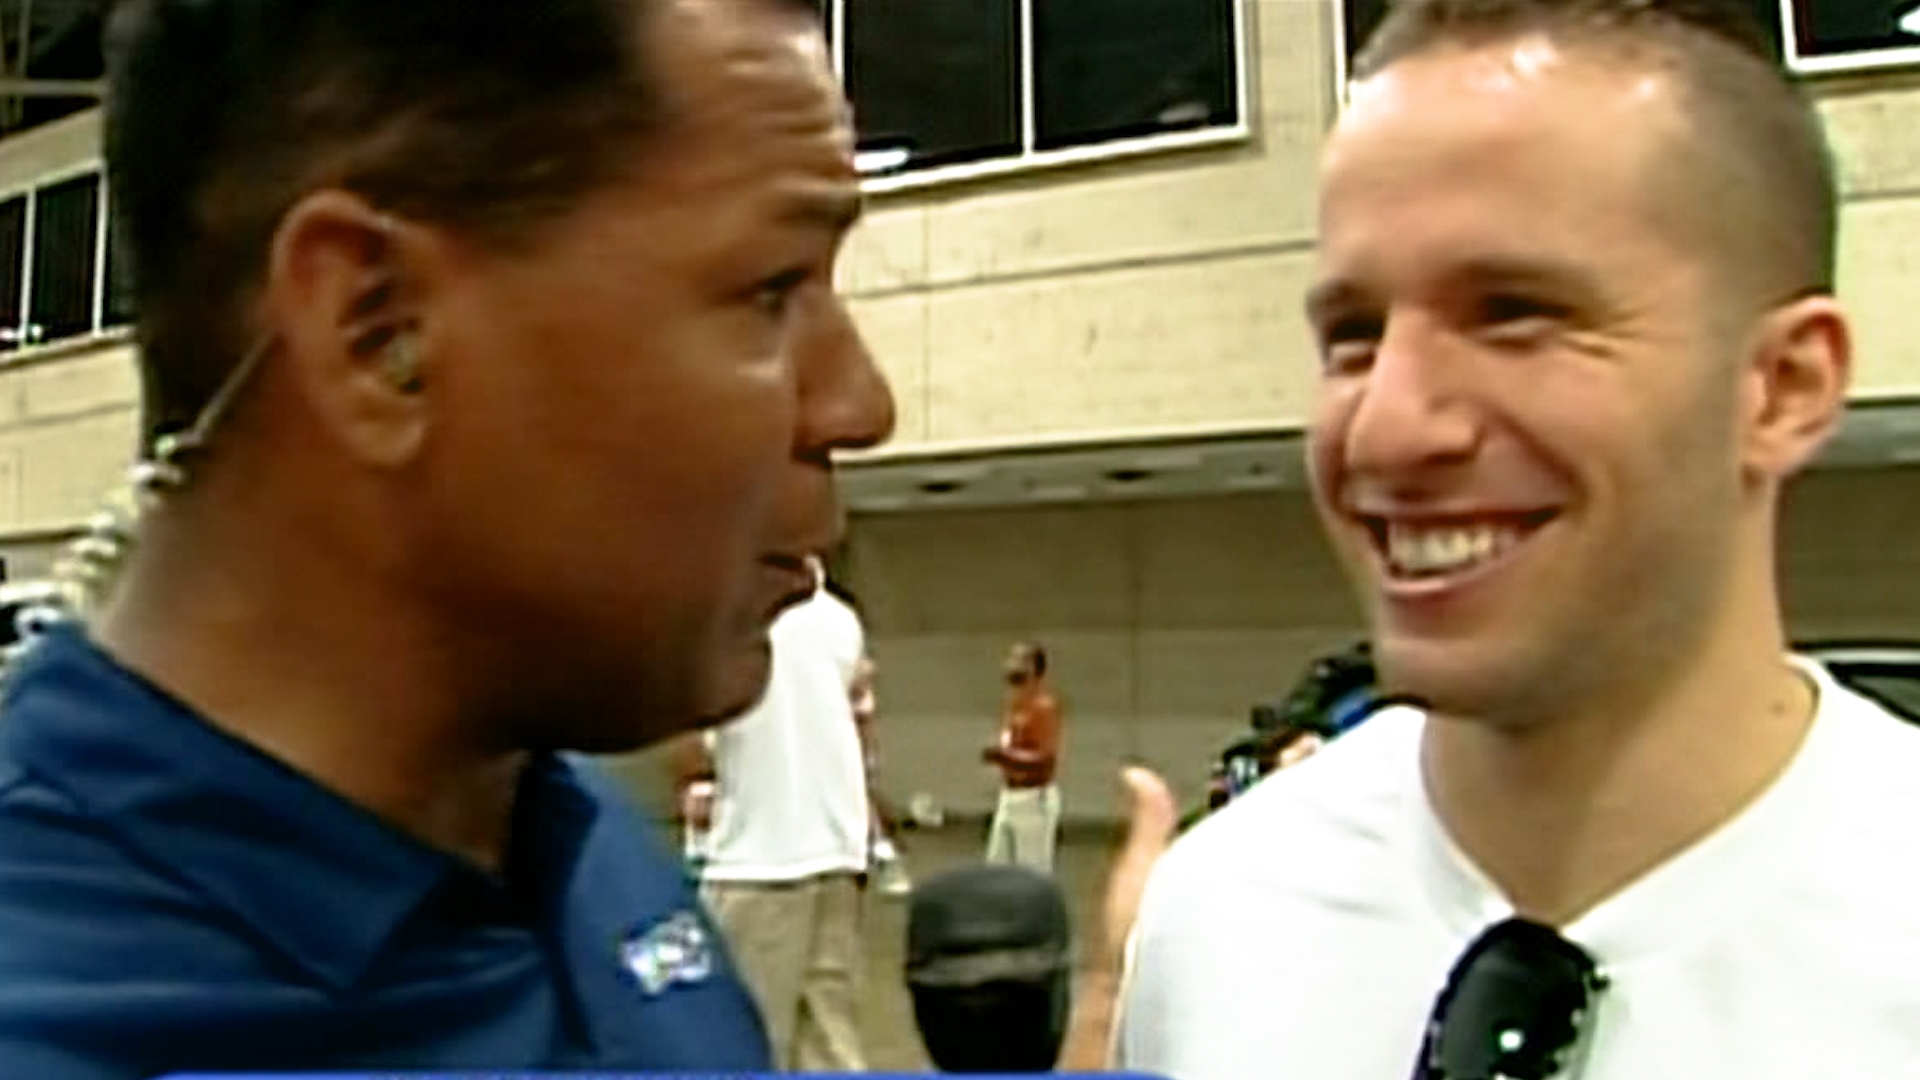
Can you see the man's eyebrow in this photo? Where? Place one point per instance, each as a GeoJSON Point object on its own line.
{"type": "Point", "coordinates": [1566, 282]}
{"type": "Point", "coordinates": [833, 211]}
{"type": "Point", "coordinates": [1330, 296]}
{"type": "Point", "coordinates": [1519, 271]}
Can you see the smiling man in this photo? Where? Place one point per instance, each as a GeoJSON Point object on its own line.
{"type": "Point", "coordinates": [1577, 331]}
{"type": "Point", "coordinates": [493, 377]}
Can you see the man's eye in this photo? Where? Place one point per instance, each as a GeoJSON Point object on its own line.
{"type": "Point", "coordinates": [1518, 322]}
{"type": "Point", "coordinates": [1347, 345]}
{"type": "Point", "coordinates": [775, 294]}
{"type": "Point", "coordinates": [1499, 311]}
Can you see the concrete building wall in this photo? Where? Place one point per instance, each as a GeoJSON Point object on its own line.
{"type": "Point", "coordinates": [1150, 295]}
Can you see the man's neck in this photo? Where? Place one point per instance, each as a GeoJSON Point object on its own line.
{"type": "Point", "coordinates": [1563, 815]}
{"type": "Point", "coordinates": [342, 688]}
{"type": "Point", "coordinates": [1026, 693]}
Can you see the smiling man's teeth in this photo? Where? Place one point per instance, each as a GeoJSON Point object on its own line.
{"type": "Point", "coordinates": [1429, 550]}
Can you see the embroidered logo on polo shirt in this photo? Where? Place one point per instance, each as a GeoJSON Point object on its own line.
{"type": "Point", "coordinates": [676, 951]}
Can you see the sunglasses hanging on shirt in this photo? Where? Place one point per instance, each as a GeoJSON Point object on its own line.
{"type": "Point", "coordinates": [1517, 1006]}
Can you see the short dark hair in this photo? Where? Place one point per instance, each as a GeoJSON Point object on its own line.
{"type": "Point", "coordinates": [492, 116]}
{"type": "Point", "coordinates": [1037, 656]}
{"type": "Point", "coordinates": [1759, 165]}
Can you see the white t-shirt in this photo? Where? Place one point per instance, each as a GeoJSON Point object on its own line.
{"type": "Point", "coordinates": [790, 794]}
{"type": "Point", "coordinates": [1305, 932]}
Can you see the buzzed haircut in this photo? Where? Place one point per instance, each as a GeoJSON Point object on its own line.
{"type": "Point", "coordinates": [1757, 170]}
{"type": "Point", "coordinates": [1037, 656]}
{"type": "Point", "coordinates": [493, 117]}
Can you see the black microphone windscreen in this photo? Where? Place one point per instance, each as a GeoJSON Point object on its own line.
{"type": "Point", "coordinates": [989, 965]}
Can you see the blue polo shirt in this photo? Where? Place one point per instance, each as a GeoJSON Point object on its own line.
{"type": "Point", "coordinates": [173, 900]}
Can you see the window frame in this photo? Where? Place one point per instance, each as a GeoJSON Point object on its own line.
{"type": "Point", "coordinates": [1031, 160]}
{"type": "Point", "coordinates": [102, 332]}
{"type": "Point", "coordinates": [100, 227]}
{"type": "Point", "coordinates": [1870, 60]}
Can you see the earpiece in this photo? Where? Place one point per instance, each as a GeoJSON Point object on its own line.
{"type": "Point", "coordinates": [401, 362]}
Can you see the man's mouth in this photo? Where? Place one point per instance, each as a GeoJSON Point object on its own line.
{"type": "Point", "coordinates": [1415, 550]}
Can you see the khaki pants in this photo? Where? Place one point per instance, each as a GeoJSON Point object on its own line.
{"type": "Point", "coordinates": [797, 945]}
{"type": "Point", "coordinates": [1025, 827]}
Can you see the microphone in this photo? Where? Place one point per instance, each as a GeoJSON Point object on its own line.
{"type": "Point", "coordinates": [989, 966]}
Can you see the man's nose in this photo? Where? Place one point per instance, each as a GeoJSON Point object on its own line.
{"type": "Point", "coordinates": [1416, 405]}
{"type": "Point", "coordinates": [846, 401]}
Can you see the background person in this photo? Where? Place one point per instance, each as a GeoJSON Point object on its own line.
{"type": "Point", "coordinates": [790, 842]}
{"type": "Point", "coordinates": [1026, 821]}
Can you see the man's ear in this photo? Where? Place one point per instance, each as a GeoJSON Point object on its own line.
{"type": "Point", "coordinates": [1800, 369]}
{"type": "Point", "coordinates": [343, 305]}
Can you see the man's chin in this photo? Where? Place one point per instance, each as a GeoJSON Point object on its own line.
{"type": "Point", "coordinates": [1480, 694]}
{"type": "Point", "coordinates": [738, 685]}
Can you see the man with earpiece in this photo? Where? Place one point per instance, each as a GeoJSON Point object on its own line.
{"type": "Point", "coordinates": [492, 377]}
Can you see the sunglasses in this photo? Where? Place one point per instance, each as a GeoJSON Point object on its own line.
{"type": "Point", "coordinates": [1517, 1006]}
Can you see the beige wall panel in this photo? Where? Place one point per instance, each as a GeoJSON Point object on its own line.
{"type": "Point", "coordinates": [1876, 137]}
{"type": "Point", "coordinates": [895, 329]}
{"type": "Point", "coordinates": [887, 253]}
{"type": "Point", "coordinates": [46, 391]}
{"type": "Point", "coordinates": [1880, 284]}
{"type": "Point", "coordinates": [66, 468]}
{"type": "Point", "coordinates": [1215, 343]}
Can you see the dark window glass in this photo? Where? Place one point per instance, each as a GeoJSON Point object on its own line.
{"type": "Point", "coordinates": [1362, 17]}
{"type": "Point", "coordinates": [1832, 28]}
{"type": "Point", "coordinates": [1114, 69]}
{"type": "Point", "coordinates": [63, 43]}
{"type": "Point", "coordinates": [66, 235]}
{"type": "Point", "coordinates": [13, 238]}
{"type": "Point", "coordinates": [936, 78]}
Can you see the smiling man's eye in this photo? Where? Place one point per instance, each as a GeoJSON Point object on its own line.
{"type": "Point", "coordinates": [1500, 310]}
{"type": "Point", "coordinates": [1347, 344]}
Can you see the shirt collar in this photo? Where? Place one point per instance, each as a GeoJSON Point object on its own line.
{"type": "Point", "coordinates": [320, 879]}
{"type": "Point", "coordinates": [1693, 894]}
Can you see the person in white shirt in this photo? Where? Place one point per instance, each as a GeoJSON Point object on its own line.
{"type": "Point", "coordinates": [787, 847]}
{"type": "Point", "coordinates": [891, 878]}
{"type": "Point", "coordinates": [1577, 329]}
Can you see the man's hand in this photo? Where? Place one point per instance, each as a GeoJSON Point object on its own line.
{"type": "Point", "coordinates": [696, 805]}
{"type": "Point", "coordinates": [1152, 818]}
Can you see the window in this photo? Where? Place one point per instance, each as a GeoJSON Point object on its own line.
{"type": "Point", "coordinates": [66, 253]}
{"type": "Point", "coordinates": [13, 251]}
{"type": "Point", "coordinates": [1129, 68]}
{"type": "Point", "coordinates": [1012, 82]}
{"type": "Point", "coordinates": [1858, 35]}
{"type": "Point", "coordinates": [51, 43]}
{"type": "Point", "coordinates": [55, 264]}
{"type": "Point", "coordinates": [936, 79]}
{"type": "Point", "coordinates": [1356, 20]}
